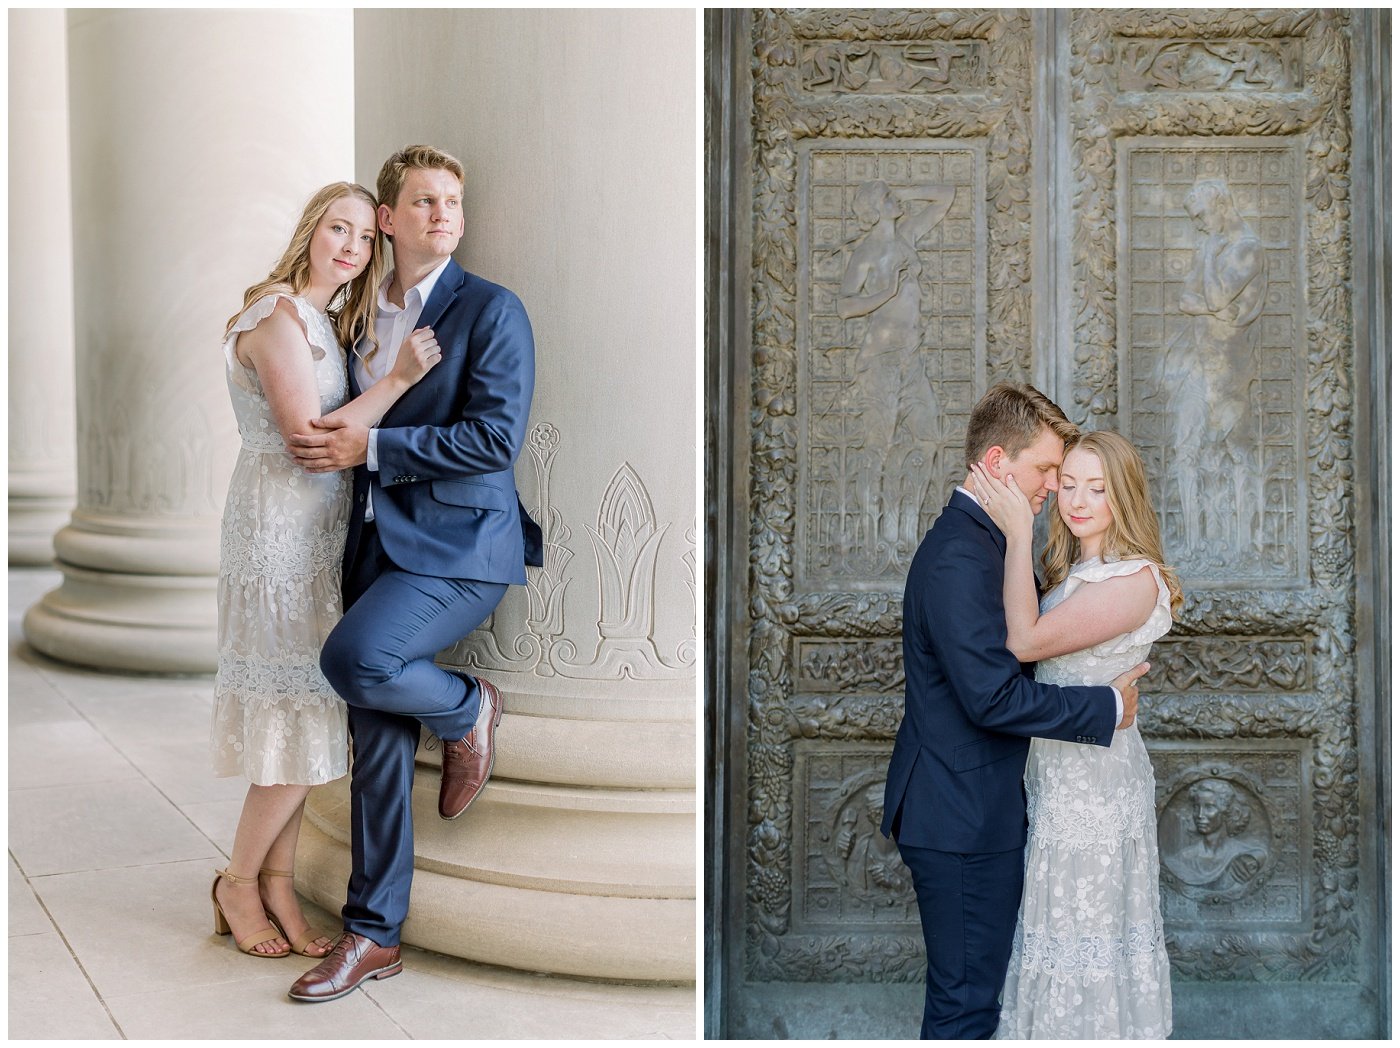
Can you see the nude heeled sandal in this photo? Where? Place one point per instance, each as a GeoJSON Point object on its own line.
{"type": "Point", "coordinates": [306, 938]}
{"type": "Point", "coordinates": [222, 927]}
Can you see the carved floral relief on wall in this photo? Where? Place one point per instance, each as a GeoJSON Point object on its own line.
{"type": "Point", "coordinates": [630, 550]}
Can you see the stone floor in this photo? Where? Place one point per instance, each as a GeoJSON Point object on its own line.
{"type": "Point", "coordinates": [115, 827]}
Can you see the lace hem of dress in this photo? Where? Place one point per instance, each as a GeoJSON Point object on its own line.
{"type": "Point", "coordinates": [1094, 956]}
{"type": "Point", "coordinates": [1088, 827]}
{"type": "Point", "coordinates": [264, 683]}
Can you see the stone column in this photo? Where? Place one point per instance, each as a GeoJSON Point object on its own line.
{"type": "Point", "coordinates": [197, 137]}
{"type": "Point", "coordinates": [41, 286]}
{"type": "Point", "coordinates": [577, 130]}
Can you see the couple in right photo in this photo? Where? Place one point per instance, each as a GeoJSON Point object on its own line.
{"type": "Point", "coordinates": [1086, 950]}
{"type": "Point", "coordinates": [1047, 489]}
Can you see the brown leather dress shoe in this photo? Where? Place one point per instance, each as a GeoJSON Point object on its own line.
{"type": "Point", "coordinates": [466, 764]}
{"type": "Point", "coordinates": [351, 961]}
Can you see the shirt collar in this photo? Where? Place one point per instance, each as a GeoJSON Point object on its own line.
{"type": "Point", "coordinates": [423, 289]}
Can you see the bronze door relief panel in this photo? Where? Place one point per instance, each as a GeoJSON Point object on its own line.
{"type": "Point", "coordinates": [875, 327]}
{"type": "Point", "coordinates": [1224, 176]}
{"type": "Point", "coordinates": [902, 166]}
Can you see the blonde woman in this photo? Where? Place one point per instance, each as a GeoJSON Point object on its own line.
{"type": "Point", "coordinates": [1088, 959]}
{"type": "Point", "coordinates": [276, 720]}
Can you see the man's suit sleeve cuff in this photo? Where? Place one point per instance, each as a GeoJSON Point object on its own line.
{"type": "Point", "coordinates": [1118, 699]}
{"type": "Point", "coordinates": [372, 463]}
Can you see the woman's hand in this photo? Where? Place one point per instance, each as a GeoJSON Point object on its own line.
{"type": "Point", "coordinates": [1004, 502]}
{"type": "Point", "coordinates": [417, 356]}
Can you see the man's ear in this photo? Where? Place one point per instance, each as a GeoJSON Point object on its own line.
{"type": "Point", "coordinates": [386, 220]}
{"type": "Point", "coordinates": [993, 459]}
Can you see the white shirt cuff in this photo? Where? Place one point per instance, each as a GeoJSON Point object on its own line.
{"type": "Point", "coordinates": [1118, 698]}
{"type": "Point", "coordinates": [372, 463]}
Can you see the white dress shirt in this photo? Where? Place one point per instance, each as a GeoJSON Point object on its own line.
{"type": "Point", "coordinates": [1117, 695]}
{"type": "Point", "coordinates": [391, 326]}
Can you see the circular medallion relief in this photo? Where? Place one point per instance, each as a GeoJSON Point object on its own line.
{"type": "Point", "coordinates": [1217, 836]}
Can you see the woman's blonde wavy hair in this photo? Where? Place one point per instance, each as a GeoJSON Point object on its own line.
{"type": "Point", "coordinates": [1133, 532]}
{"type": "Point", "coordinates": [351, 309]}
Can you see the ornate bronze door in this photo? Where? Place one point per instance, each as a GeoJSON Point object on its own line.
{"type": "Point", "coordinates": [1154, 217]}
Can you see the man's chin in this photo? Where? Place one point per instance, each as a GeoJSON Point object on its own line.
{"type": "Point", "coordinates": [442, 246]}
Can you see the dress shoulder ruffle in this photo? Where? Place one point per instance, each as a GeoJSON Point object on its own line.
{"type": "Point", "coordinates": [1158, 623]}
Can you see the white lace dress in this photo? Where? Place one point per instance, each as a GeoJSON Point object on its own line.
{"type": "Point", "coordinates": [276, 719]}
{"type": "Point", "coordinates": [1089, 959]}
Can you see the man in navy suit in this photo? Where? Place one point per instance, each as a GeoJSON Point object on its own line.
{"type": "Point", "coordinates": [954, 801]}
{"type": "Point", "coordinates": [437, 533]}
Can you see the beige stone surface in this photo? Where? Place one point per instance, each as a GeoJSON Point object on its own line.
{"type": "Point", "coordinates": [25, 916]}
{"type": "Point", "coordinates": [74, 934]}
{"type": "Point", "coordinates": [517, 1005]}
{"type": "Point", "coordinates": [588, 824]}
{"type": "Point", "coordinates": [48, 994]}
{"type": "Point", "coordinates": [88, 757]}
{"type": "Point", "coordinates": [41, 450]}
{"type": "Point", "coordinates": [569, 932]}
{"type": "Point", "coordinates": [252, 1007]}
{"type": "Point", "coordinates": [156, 437]}
{"type": "Point", "coordinates": [97, 826]}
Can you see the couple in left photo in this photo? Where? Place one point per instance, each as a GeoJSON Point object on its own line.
{"type": "Point", "coordinates": [353, 524]}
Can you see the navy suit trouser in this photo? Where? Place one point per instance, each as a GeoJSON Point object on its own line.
{"type": "Point", "coordinates": [379, 658]}
{"type": "Point", "coordinates": [967, 905]}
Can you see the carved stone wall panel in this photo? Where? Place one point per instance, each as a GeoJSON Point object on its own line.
{"type": "Point", "coordinates": [1209, 154]}
{"type": "Point", "coordinates": [1230, 664]}
{"type": "Point", "coordinates": [893, 67]}
{"type": "Point", "coordinates": [1201, 146]}
{"type": "Point", "coordinates": [890, 345]}
{"type": "Point", "coordinates": [536, 631]}
{"type": "Point", "coordinates": [1104, 110]}
{"type": "Point", "coordinates": [1233, 834]}
{"type": "Point", "coordinates": [850, 878]}
{"type": "Point", "coordinates": [829, 664]}
{"type": "Point", "coordinates": [1230, 64]}
{"type": "Point", "coordinates": [891, 264]}
{"type": "Point", "coordinates": [1213, 348]}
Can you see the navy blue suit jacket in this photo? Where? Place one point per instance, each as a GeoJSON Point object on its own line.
{"type": "Point", "coordinates": [444, 494]}
{"type": "Point", "coordinates": [969, 706]}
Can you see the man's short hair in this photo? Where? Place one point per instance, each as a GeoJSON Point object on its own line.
{"type": "Point", "coordinates": [423, 158]}
{"type": "Point", "coordinates": [1011, 417]}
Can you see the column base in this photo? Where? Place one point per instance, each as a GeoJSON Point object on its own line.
{"type": "Point", "coordinates": [34, 520]}
{"type": "Point", "coordinates": [574, 881]}
{"type": "Point", "coordinates": [136, 623]}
